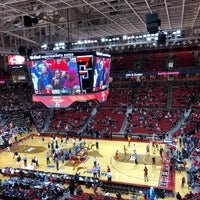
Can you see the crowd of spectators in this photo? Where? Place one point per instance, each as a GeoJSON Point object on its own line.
{"type": "Point", "coordinates": [184, 93]}
{"type": "Point", "coordinates": [10, 100]}
{"type": "Point", "coordinates": [155, 118]}
{"type": "Point", "coordinates": [153, 60]}
{"type": "Point", "coordinates": [38, 118]}
{"type": "Point", "coordinates": [107, 120]}
{"type": "Point", "coordinates": [191, 150]}
{"type": "Point", "coordinates": [72, 119]}
{"type": "Point", "coordinates": [26, 188]}
{"type": "Point", "coordinates": [32, 184]}
{"type": "Point", "coordinates": [147, 121]}
{"type": "Point", "coordinates": [118, 97]}
{"type": "Point", "coordinates": [152, 95]}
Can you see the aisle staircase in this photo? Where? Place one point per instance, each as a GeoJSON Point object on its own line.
{"type": "Point", "coordinates": [178, 124]}
{"type": "Point", "coordinates": [125, 122]}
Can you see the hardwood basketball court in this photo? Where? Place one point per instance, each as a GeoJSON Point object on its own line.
{"type": "Point", "coordinates": [122, 170]}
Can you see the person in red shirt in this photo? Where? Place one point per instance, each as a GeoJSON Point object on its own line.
{"type": "Point", "coordinates": [60, 64]}
{"type": "Point", "coordinates": [195, 162]}
{"type": "Point", "coordinates": [51, 179]}
{"type": "Point", "coordinates": [116, 155]}
{"type": "Point", "coordinates": [72, 80]}
{"type": "Point", "coordinates": [146, 174]}
{"type": "Point", "coordinates": [184, 164]}
{"type": "Point", "coordinates": [125, 150]}
{"type": "Point", "coordinates": [108, 169]}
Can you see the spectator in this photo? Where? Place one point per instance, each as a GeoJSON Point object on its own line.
{"type": "Point", "coordinates": [95, 187]}
{"type": "Point", "coordinates": [44, 75]}
{"type": "Point", "coordinates": [57, 81]}
{"type": "Point", "coordinates": [178, 196]}
{"type": "Point", "coordinates": [118, 195]}
{"type": "Point", "coordinates": [161, 152]}
{"type": "Point", "coordinates": [79, 190]}
{"type": "Point", "coordinates": [72, 80]}
{"type": "Point", "coordinates": [170, 170]}
{"type": "Point", "coordinates": [71, 187]}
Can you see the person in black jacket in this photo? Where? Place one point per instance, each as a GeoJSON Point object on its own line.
{"type": "Point", "coordinates": [178, 196]}
{"type": "Point", "coordinates": [72, 187]}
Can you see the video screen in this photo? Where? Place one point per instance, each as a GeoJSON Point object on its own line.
{"type": "Point", "coordinates": [64, 101]}
{"type": "Point", "coordinates": [85, 64]}
{"type": "Point", "coordinates": [55, 75]}
{"type": "Point", "coordinates": [61, 78]}
{"type": "Point", "coordinates": [16, 60]}
{"type": "Point", "coordinates": [101, 73]}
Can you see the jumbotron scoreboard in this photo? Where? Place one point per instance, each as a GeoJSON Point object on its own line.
{"type": "Point", "coordinates": [61, 78]}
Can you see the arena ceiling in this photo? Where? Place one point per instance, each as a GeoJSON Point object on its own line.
{"type": "Point", "coordinates": [73, 20]}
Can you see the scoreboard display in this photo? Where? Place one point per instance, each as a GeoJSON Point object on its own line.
{"type": "Point", "coordinates": [16, 60]}
{"type": "Point", "coordinates": [62, 78]}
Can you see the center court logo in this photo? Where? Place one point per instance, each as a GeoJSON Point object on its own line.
{"type": "Point", "coordinates": [30, 149]}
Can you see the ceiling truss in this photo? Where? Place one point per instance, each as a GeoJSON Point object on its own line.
{"type": "Point", "coordinates": [69, 20]}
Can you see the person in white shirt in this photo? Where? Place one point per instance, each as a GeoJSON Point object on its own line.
{"type": "Point", "coordinates": [134, 149]}
{"type": "Point", "coordinates": [74, 141]}
{"type": "Point", "coordinates": [95, 161]}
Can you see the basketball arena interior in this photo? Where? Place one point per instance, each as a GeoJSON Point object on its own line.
{"type": "Point", "coordinates": [100, 99]}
